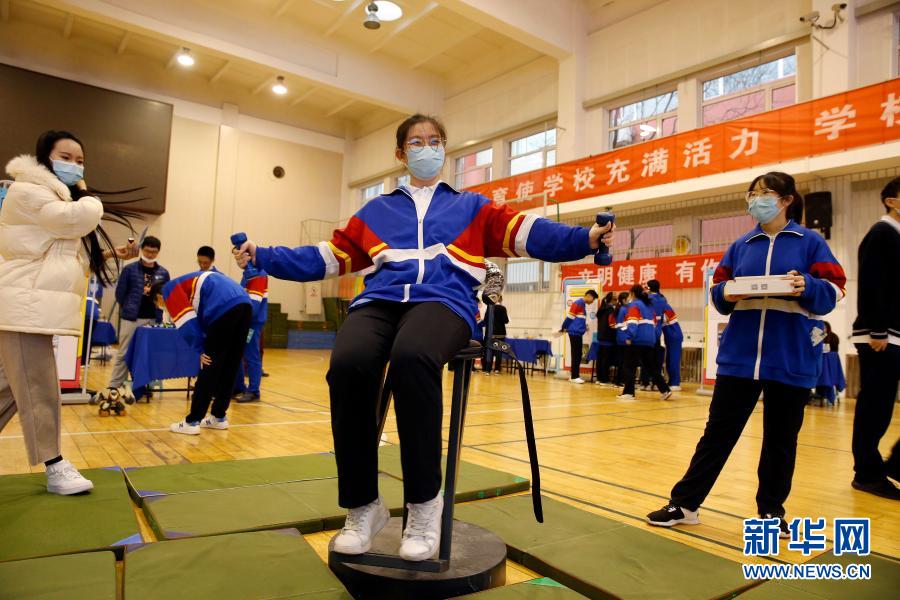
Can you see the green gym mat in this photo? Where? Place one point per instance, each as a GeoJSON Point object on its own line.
{"type": "Point", "coordinates": [262, 564]}
{"type": "Point", "coordinates": [309, 506]}
{"type": "Point", "coordinates": [473, 482]}
{"type": "Point", "coordinates": [144, 482]}
{"type": "Point", "coordinates": [602, 558]}
{"type": "Point", "coordinates": [89, 575]}
{"type": "Point", "coordinates": [536, 589]}
{"type": "Point", "coordinates": [34, 522]}
{"type": "Point", "coordinates": [885, 577]}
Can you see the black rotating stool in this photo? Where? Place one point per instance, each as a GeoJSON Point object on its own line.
{"type": "Point", "coordinates": [479, 556]}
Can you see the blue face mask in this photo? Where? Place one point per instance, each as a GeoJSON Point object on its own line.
{"type": "Point", "coordinates": [425, 163]}
{"type": "Point", "coordinates": [764, 208]}
{"type": "Point", "coordinates": [68, 173]}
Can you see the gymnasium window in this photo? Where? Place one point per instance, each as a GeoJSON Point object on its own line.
{"type": "Point", "coordinates": [718, 233]}
{"type": "Point", "coordinates": [643, 120]}
{"type": "Point", "coordinates": [474, 168]}
{"type": "Point", "coordinates": [403, 180]}
{"type": "Point", "coordinates": [642, 242]}
{"type": "Point", "coordinates": [532, 152]}
{"type": "Point", "coordinates": [749, 91]}
{"type": "Point", "coordinates": [372, 191]}
{"type": "Point", "coordinates": [527, 275]}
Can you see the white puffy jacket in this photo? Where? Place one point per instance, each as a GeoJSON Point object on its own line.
{"type": "Point", "coordinates": [44, 267]}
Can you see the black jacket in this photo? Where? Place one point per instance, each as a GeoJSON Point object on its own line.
{"type": "Point", "coordinates": [500, 321]}
{"type": "Point", "coordinates": [878, 296]}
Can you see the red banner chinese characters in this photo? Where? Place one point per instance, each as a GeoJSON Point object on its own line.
{"type": "Point", "coordinates": [671, 271]}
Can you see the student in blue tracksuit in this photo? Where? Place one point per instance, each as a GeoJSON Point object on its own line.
{"type": "Point", "coordinates": [575, 324]}
{"type": "Point", "coordinates": [606, 338]}
{"type": "Point", "coordinates": [428, 243]}
{"type": "Point", "coordinates": [772, 345]}
{"type": "Point", "coordinates": [212, 314]}
{"type": "Point", "coordinates": [258, 289]}
{"type": "Point", "coordinates": [640, 344]}
{"type": "Point", "coordinates": [671, 333]}
{"type": "Point", "coordinates": [619, 359]}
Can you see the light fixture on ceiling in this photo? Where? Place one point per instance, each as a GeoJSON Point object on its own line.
{"type": "Point", "coordinates": [279, 87]}
{"type": "Point", "coordinates": [387, 10]}
{"type": "Point", "coordinates": [184, 58]}
{"type": "Point", "coordinates": [372, 21]}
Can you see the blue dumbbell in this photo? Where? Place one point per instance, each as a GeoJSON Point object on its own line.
{"type": "Point", "coordinates": [237, 241]}
{"type": "Point", "coordinates": [603, 257]}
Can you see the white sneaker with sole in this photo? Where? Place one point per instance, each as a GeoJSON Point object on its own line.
{"type": "Point", "coordinates": [675, 388]}
{"type": "Point", "coordinates": [577, 380]}
{"type": "Point", "coordinates": [423, 529]}
{"type": "Point", "coordinates": [185, 428]}
{"type": "Point", "coordinates": [625, 397]}
{"type": "Point", "coordinates": [64, 479]}
{"type": "Point", "coordinates": [666, 395]}
{"type": "Point", "coordinates": [670, 515]}
{"type": "Point", "coordinates": [211, 422]}
{"type": "Point", "coordinates": [361, 527]}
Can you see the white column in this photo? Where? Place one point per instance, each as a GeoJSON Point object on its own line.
{"type": "Point", "coordinates": [571, 139]}
{"type": "Point", "coordinates": [833, 51]}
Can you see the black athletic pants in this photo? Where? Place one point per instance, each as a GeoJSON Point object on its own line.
{"type": "Point", "coordinates": [604, 361]}
{"type": "Point", "coordinates": [645, 356]}
{"type": "Point", "coordinates": [496, 358]}
{"type": "Point", "coordinates": [577, 350]}
{"type": "Point", "coordinates": [733, 401]}
{"type": "Point", "coordinates": [225, 341]}
{"type": "Point", "coordinates": [418, 340]}
{"type": "Point", "coordinates": [878, 374]}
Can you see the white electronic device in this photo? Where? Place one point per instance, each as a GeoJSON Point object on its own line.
{"type": "Point", "coordinates": [764, 285]}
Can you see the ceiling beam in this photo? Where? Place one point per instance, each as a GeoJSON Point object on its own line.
{"type": "Point", "coordinates": [4, 10]}
{"type": "Point", "coordinates": [67, 26]}
{"type": "Point", "coordinates": [339, 107]}
{"type": "Point", "coordinates": [218, 74]}
{"type": "Point", "coordinates": [343, 17]}
{"type": "Point", "coordinates": [403, 26]}
{"type": "Point", "coordinates": [262, 85]}
{"type": "Point", "coordinates": [283, 8]}
{"type": "Point", "coordinates": [303, 96]}
{"type": "Point", "coordinates": [123, 43]}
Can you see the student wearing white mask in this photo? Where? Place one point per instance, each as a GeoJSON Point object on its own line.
{"type": "Point", "coordinates": [427, 243]}
{"type": "Point", "coordinates": [50, 241]}
{"type": "Point", "coordinates": [136, 308]}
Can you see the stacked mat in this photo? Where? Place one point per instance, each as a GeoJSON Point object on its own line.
{"type": "Point", "coordinates": [90, 575]}
{"type": "Point", "coordinates": [295, 491]}
{"type": "Point", "coordinates": [35, 523]}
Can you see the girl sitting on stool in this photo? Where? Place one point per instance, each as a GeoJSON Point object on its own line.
{"type": "Point", "coordinates": [428, 243]}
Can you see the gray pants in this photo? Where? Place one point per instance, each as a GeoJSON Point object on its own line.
{"type": "Point", "coordinates": [29, 385]}
{"type": "Point", "coordinates": [126, 332]}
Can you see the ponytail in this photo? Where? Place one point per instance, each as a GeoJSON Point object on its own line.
{"type": "Point", "coordinates": [640, 294]}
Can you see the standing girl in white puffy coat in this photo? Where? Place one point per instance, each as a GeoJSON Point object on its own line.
{"type": "Point", "coordinates": [48, 246]}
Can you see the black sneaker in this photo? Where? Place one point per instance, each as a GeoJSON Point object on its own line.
{"type": "Point", "coordinates": [670, 515]}
{"type": "Point", "coordinates": [783, 531]}
{"type": "Point", "coordinates": [884, 488]}
{"type": "Point", "coordinates": [248, 397]}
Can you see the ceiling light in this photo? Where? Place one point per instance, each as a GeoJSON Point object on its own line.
{"type": "Point", "coordinates": [388, 11]}
{"type": "Point", "coordinates": [372, 21]}
{"type": "Point", "coordinates": [184, 58]}
{"type": "Point", "coordinates": [279, 87]}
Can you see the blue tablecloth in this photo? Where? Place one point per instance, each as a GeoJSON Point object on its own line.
{"type": "Point", "coordinates": [529, 350]}
{"type": "Point", "coordinates": [832, 374]}
{"type": "Point", "coordinates": [103, 334]}
{"type": "Point", "coordinates": [160, 353]}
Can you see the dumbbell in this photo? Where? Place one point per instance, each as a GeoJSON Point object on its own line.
{"type": "Point", "coordinates": [237, 240]}
{"type": "Point", "coordinates": [603, 257]}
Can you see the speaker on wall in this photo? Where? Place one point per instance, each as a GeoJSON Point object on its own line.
{"type": "Point", "coordinates": [818, 210]}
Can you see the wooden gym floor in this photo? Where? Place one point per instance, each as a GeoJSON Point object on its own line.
{"type": "Point", "coordinates": [618, 459]}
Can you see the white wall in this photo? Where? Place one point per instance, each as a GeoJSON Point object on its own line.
{"type": "Point", "coordinates": [877, 47]}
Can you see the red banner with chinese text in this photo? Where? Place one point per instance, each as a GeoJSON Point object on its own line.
{"type": "Point", "coordinates": [861, 117]}
{"type": "Point", "coordinates": [671, 271]}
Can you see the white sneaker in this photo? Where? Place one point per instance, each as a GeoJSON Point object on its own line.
{"type": "Point", "coordinates": [423, 529]}
{"type": "Point", "coordinates": [361, 527]}
{"type": "Point", "coordinates": [645, 388]}
{"type": "Point", "coordinates": [666, 395]}
{"type": "Point", "coordinates": [625, 397]}
{"type": "Point", "coordinates": [64, 479]}
{"type": "Point", "coordinates": [578, 380]}
{"type": "Point", "coordinates": [675, 388]}
{"type": "Point", "coordinates": [125, 393]}
{"type": "Point", "coordinates": [185, 428]}
{"type": "Point", "coordinates": [211, 422]}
